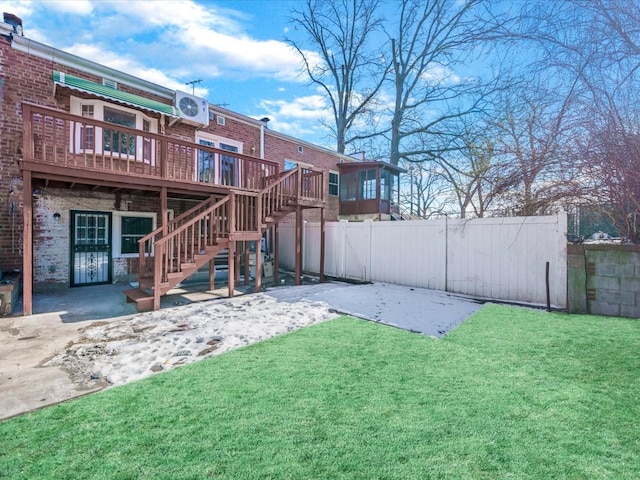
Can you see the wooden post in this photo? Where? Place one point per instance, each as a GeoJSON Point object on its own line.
{"type": "Point", "coordinates": [232, 243]}
{"type": "Point", "coordinates": [298, 272]}
{"type": "Point", "coordinates": [258, 280]}
{"type": "Point", "coordinates": [246, 263]}
{"type": "Point", "coordinates": [232, 263]}
{"type": "Point", "coordinates": [157, 273]}
{"type": "Point", "coordinates": [27, 244]}
{"type": "Point", "coordinates": [322, 236]}
{"type": "Point", "coordinates": [275, 253]}
{"type": "Point", "coordinates": [164, 210]}
{"type": "Point", "coordinates": [212, 274]}
{"type": "Point", "coordinates": [237, 265]}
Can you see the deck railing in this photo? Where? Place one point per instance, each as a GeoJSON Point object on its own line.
{"type": "Point", "coordinates": [59, 138]}
{"type": "Point", "coordinates": [191, 238]}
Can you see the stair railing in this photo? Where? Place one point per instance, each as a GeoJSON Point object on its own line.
{"type": "Point", "coordinates": [146, 243]}
{"type": "Point", "coordinates": [280, 194]}
{"type": "Point", "coordinates": [191, 238]}
{"type": "Point", "coordinates": [298, 184]}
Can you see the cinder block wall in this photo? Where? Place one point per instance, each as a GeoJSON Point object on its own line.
{"type": "Point", "coordinates": [604, 279]}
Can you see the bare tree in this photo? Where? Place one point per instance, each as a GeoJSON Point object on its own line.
{"type": "Point", "coordinates": [429, 42]}
{"type": "Point", "coordinates": [534, 135]}
{"type": "Point", "coordinates": [477, 178]}
{"type": "Point", "coordinates": [611, 156]}
{"type": "Point", "coordinates": [348, 69]}
{"type": "Point", "coordinates": [425, 192]}
{"type": "Point", "coordinates": [595, 47]}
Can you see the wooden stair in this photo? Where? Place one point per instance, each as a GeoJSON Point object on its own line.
{"type": "Point", "coordinates": [197, 236]}
{"type": "Point", "coordinates": [143, 294]}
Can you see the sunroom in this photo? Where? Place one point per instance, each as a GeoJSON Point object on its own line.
{"type": "Point", "coordinates": [368, 190]}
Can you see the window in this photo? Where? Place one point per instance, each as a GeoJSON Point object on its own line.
{"type": "Point", "coordinates": [348, 187]}
{"type": "Point", "coordinates": [289, 165]}
{"type": "Point", "coordinates": [220, 120]}
{"type": "Point", "coordinates": [87, 134]}
{"type": "Point", "coordinates": [368, 185]}
{"type": "Point", "coordinates": [300, 149]}
{"type": "Point", "coordinates": [228, 165]}
{"type": "Point", "coordinates": [89, 138]}
{"type": "Point", "coordinates": [132, 230]}
{"type": "Point", "coordinates": [333, 183]}
{"type": "Point", "coordinates": [206, 162]}
{"type": "Point", "coordinates": [117, 141]}
{"type": "Point", "coordinates": [387, 184]}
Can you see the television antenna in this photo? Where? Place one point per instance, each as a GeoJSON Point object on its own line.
{"type": "Point", "coordinates": [193, 85]}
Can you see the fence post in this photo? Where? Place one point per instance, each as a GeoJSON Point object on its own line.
{"type": "Point", "coordinates": [344, 225]}
{"type": "Point", "coordinates": [368, 266]}
{"type": "Point", "coordinates": [446, 253]}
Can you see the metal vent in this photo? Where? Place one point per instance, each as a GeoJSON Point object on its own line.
{"type": "Point", "coordinates": [107, 82]}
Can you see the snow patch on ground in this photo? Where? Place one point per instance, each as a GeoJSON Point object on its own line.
{"type": "Point", "coordinates": [118, 352]}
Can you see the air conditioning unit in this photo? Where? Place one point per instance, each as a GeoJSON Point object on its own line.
{"type": "Point", "coordinates": [192, 109]}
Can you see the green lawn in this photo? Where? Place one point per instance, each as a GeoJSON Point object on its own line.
{"type": "Point", "coordinates": [512, 393]}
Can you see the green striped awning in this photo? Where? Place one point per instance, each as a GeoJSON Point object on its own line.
{"type": "Point", "coordinates": [82, 85]}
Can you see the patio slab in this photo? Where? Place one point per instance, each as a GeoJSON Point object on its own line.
{"type": "Point", "coordinates": [430, 312]}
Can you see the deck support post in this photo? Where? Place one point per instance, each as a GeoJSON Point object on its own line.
{"type": "Point", "coordinates": [27, 244]}
{"type": "Point", "coordinates": [246, 263]}
{"type": "Point", "coordinates": [164, 215]}
{"type": "Point", "coordinates": [160, 251]}
{"type": "Point", "coordinates": [258, 265]}
{"type": "Point", "coordinates": [212, 274]}
{"type": "Point", "coordinates": [322, 238]}
{"type": "Point", "coordinates": [236, 258]}
{"type": "Point", "coordinates": [275, 253]}
{"type": "Point", "coordinates": [232, 263]}
{"type": "Point", "coordinates": [299, 239]}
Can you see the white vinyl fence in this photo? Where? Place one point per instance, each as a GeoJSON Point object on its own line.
{"type": "Point", "coordinates": [492, 258]}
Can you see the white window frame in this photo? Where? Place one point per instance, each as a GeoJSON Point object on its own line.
{"type": "Point", "coordinates": [98, 114]}
{"type": "Point", "coordinates": [117, 230]}
{"type": "Point", "coordinates": [297, 164]}
{"type": "Point", "coordinates": [217, 140]}
{"type": "Point", "coordinates": [337, 184]}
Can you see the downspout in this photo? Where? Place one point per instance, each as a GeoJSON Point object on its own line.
{"type": "Point", "coordinates": [262, 142]}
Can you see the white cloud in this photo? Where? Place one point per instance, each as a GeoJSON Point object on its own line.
{"type": "Point", "coordinates": [215, 36]}
{"type": "Point", "coordinates": [440, 74]}
{"type": "Point", "coordinates": [311, 107]}
{"type": "Point", "coordinates": [20, 8]}
{"type": "Point", "coordinates": [132, 67]}
{"type": "Point", "coordinates": [74, 7]}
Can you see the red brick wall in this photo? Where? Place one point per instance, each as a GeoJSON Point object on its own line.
{"type": "Point", "coordinates": [281, 149]}
{"type": "Point", "coordinates": [26, 78]}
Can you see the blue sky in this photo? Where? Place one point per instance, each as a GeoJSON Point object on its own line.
{"type": "Point", "coordinates": [235, 47]}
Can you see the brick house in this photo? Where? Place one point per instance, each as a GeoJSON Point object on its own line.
{"type": "Point", "coordinates": [108, 177]}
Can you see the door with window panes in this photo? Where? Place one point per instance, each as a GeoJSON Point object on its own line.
{"type": "Point", "coordinates": [222, 169]}
{"type": "Point", "coordinates": [90, 248]}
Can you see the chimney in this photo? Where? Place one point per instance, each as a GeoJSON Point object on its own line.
{"type": "Point", "coordinates": [266, 121]}
{"type": "Point", "coordinates": [15, 22]}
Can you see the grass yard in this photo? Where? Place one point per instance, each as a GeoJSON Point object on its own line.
{"type": "Point", "coordinates": [512, 393]}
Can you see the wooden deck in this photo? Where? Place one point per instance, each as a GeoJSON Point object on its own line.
{"type": "Point", "coordinates": [240, 196]}
{"type": "Point", "coordinates": [65, 147]}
